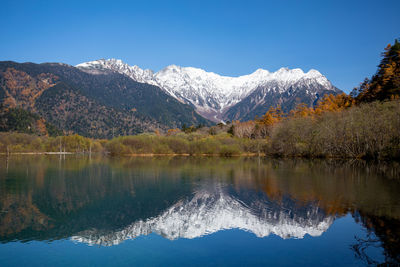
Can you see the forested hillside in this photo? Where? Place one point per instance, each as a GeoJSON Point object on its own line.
{"type": "Point", "coordinates": [100, 106]}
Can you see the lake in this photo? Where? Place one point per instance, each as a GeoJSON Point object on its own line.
{"type": "Point", "coordinates": [78, 211]}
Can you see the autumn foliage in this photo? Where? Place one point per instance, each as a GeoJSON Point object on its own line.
{"type": "Point", "coordinates": [385, 84]}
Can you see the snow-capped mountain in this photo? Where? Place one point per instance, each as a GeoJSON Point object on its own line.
{"type": "Point", "coordinates": [212, 211]}
{"type": "Point", "coordinates": [134, 72]}
{"type": "Point", "coordinates": [308, 89]}
{"type": "Point", "coordinates": [214, 95]}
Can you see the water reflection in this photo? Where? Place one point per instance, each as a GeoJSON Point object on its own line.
{"type": "Point", "coordinates": [213, 208]}
{"type": "Point", "coordinates": [105, 201]}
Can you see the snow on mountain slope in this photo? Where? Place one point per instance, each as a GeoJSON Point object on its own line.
{"type": "Point", "coordinates": [209, 212]}
{"type": "Point", "coordinates": [134, 72]}
{"type": "Point", "coordinates": [211, 94]}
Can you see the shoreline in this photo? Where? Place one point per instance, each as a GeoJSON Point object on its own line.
{"type": "Point", "coordinates": [134, 154]}
{"type": "Point", "coordinates": [39, 153]}
{"type": "Point", "coordinates": [148, 155]}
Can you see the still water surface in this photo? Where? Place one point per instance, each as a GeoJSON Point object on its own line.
{"type": "Point", "coordinates": [76, 210]}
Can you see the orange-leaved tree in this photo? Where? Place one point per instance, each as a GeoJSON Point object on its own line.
{"type": "Point", "coordinates": [302, 110]}
{"type": "Point", "coordinates": [330, 103]}
{"type": "Point", "coordinates": [272, 116]}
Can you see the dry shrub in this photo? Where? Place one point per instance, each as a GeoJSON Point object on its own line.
{"type": "Point", "coordinates": [366, 131]}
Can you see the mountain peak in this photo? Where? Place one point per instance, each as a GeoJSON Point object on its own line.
{"type": "Point", "coordinates": [313, 73]}
{"type": "Point", "coordinates": [283, 69]}
{"type": "Point", "coordinates": [260, 72]}
{"type": "Point", "coordinates": [172, 67]}
{"type": "Point", "coordinates": [288, 75]}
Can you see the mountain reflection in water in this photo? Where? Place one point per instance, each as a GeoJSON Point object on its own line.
{"type": "Point", "coordinates": [105, 201]}
{"type": "Point", "coordinates": [213, 209]}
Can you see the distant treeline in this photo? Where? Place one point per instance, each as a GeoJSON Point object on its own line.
{"type": "Point", "coordinates": [364, 124]}
{"type": "Point", "coordinates": [23, 121]}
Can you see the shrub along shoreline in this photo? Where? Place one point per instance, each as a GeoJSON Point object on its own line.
{"type": "Point", "coordinates": [369, 131]}
{"type": "Point", "coordinates": [139, 145]}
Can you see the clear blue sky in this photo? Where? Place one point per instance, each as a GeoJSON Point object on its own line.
{"type": "Point", "coordinates": [342, 39]}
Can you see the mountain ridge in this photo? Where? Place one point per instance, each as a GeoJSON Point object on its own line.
{"type": "Point", "coordinates": [213, 95]}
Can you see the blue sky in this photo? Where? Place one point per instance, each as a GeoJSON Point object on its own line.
{"type": "Point", "coordinates": [341, 39]}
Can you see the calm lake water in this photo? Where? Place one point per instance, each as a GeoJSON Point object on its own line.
{"type": "Point", "coordinates": [76, 211]}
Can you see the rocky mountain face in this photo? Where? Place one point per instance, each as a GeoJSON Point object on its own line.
{"type": "Point", "coordinates": [222, 98]}
{"type": "Point", "coordinates": [97, 105]}
{"type": "Point", "coordinates": [304, 90]}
